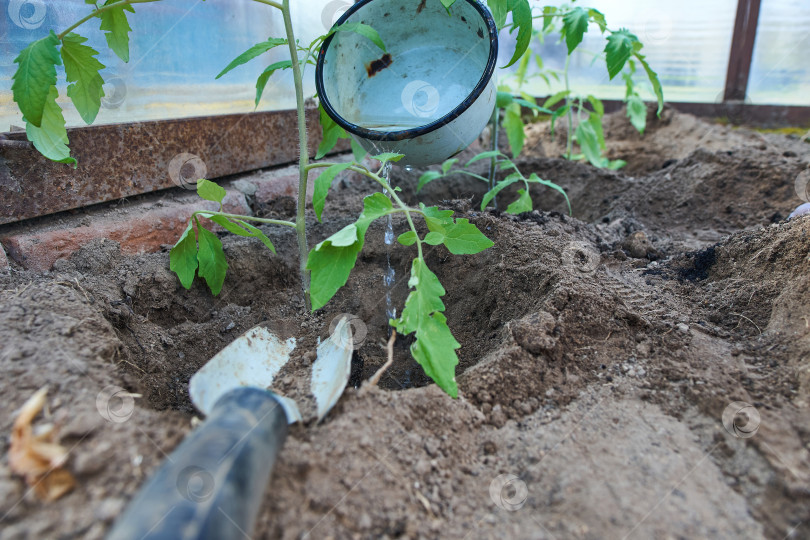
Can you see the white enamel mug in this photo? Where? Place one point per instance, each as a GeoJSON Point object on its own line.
{"type": "Point", "coordinates": [429, 95]}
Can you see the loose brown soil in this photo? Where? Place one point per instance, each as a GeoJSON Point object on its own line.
{"type": "Point", "coordinates": [599, 353]}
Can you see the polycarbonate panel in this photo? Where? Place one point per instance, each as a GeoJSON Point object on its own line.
{"type": "Point", "coordinates": [687, 42]}
{"type": "Point", "coordinates": [177, 47]}
{"type": "Point", "coordinates": [780, 71]}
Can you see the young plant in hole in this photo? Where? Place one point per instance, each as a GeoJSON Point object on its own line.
{"type": "Point", "coordinates": [325, 268]}
{"type": "Point", "coordinates": [622, 52]}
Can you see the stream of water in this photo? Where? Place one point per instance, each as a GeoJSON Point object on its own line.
{"type": "Point", "coordinates": [390, 274]}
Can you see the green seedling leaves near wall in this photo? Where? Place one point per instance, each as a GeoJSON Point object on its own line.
{"type": "Point", "coordinates": [513, 124]}
{"type": "Point", "coordinates": [322, 185]}
{"type": "Point", "coordinates": [331, 133]}
{"type": "Point", "coordinates": [575, 24]}
{"type": "Point", "coordinates": [51, 138]}
{"type": "Point", "coordinates": [362, 29]}
{"type": "Point", "coordinates": [637, 112]}
{"type": "Point", "coordinates": [116, 27]}
{"type": "Point", "coordinates": [265, 75]}
{"type": "Point", "coordinates": [435, 347]}
{"type": "Point", "coordinates": [253, 52]}
{"type": "Point", "coordinates": [653, 76]}
{"type": "Point", "coordinates": [506, 182]}
{"type": "Point", "coordinates": [619, 48]}
{"type": "Point", "coordinates": [82, 70]}
{"type": "Point", "coordinates": [522, 20]}
{"type": "Point", "coordinates": [385, 157]}
{"type": "Point", "coordinates": [522, 204]}
{"type": "Point", "coordinates": [213, 265]}
{"type": "Point", "coordinates": [331, 261]}
{"type": "Point", "coordinates": [183, 257]}
{"type": "Point", "coordinates": [211, 191]}
{"type": "Point", "coordinates": [35, 76]}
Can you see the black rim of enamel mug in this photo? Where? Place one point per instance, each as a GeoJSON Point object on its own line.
{"type": "Point", "coordinates": [421, 130]}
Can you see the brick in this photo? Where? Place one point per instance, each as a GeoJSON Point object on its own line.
{"type": "Point", "coordinates": [138, 229]}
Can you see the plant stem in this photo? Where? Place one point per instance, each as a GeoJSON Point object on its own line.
{"type": "Point", "coordinates": [271, 3]}
{"type": "Point", "coordinates": [496, 116]}
{"type": "Point", "coordinates": [206, 213]}
{"type": "Point", "coordinates": [96, 12]}
{"type": "Point", "coordinates": [569, 148]}
{"type": "Point", "coordinates": [300, 217]}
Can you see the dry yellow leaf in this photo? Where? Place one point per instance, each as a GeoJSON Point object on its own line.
{"type": "Point", "coordinates": [37, 455]}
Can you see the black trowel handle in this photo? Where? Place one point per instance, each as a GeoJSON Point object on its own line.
{"type": "Point", "coordinates": [212, 484]}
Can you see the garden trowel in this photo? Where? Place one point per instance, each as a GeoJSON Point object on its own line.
{"type": "Point", "coordinates": [211, 486]}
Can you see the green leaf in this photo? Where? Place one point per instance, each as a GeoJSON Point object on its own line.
{"type": "Point", "coordinates": [653, 76]}
{"type": "Point", "coordinates": [210, 191]}
{"type": "Point", "coordinates": [464, 238]}
{"type": "Point", "coordinates": [447, 4]}
{"type": "Point", "coordinates": [503, 99]}
{"type": "Point", "coordinates": [618, 50]}
{"type": "Point", "coordinates": [82, 69]}
{"type": "Point", "coordinates": [434, 238]}
{"type": "Point", "coordinates": [513, 125]}
{"type": "Point", "coordinates": [114, 23]}
{"type": "Point", "coordinates": [637, 112]}
{"type": "Point", "coordinates": [183, 257]}
{"type": "Point", "coordinates": [575, 24]}
{"type": "Point", "coordinates": [362, 29]}
{"type": "Point", "coordinates": [231, 226]}
{"type": "Point", "coordinates": [533, 106]}
{"type": "Point", "coordinates": [332, 260]}
{"type": "Point", "coordinates": [436, 219]}
{"type": "Point", "coordinates": [489, 154]}
{"type": "Point", "coordinates": [548, 16]}
{"type": "Point", "coordinates": [253, 52]}
{"type": "Point", "coordinates": [536, 179]}
{"type": "Point", "coordinates": [407, 238]}
{"type": "Point", "coordinates": [35, 76]}
{"type": "Point", "coordinates": [598, 106]}
{"type": "Point", "coordinates": [388, 156]}
{"type": "Point", "coordinates": [345, 237]}
{"type": "Point", "coordinates": [492, 193]}
{"type": "Point", "coordinates": [435, 347]}
{"type": "Point", "coordinates": [522, 204]}
{"type": "Point", "coordinates": [357, 150]}
{"type": "Point", "coordinates": [599, 18]}
{"type": "Point", "coordinates": [556, 98]}
{"type": "Point", "coordinates": [498, 9]}
{"type": "Point", "coordinates": [522, 19]}
{"type": "Point", "coordinates": [51, 138]}
{"type": "Point", "coordinates": [322, 185]}
{"type": "Point", "coordinates": [331, 133]}
{"type": "Point", "coordinates": [428, 176]}
{"type": "Point", "coordinates": [447, 165]}
{"type": "Point", "coordinates": [212, 259]}
{"type": "Point", "coordinates": [265, 75]}
{"type": "Point", "coordinates": [616, 164]}
{"type": "Point", "coordinates": [257, 233]}
{"type": "Point", "coordinates": [589, 142]}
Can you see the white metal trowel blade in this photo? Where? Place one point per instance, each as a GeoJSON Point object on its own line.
{"type": "Point", "coordinates": [331, 370]}
{"type": "Point", "coordinates": [253, 359]}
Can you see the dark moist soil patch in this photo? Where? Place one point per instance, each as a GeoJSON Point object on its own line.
{"type": "Point", "coordinates": [599, 353]}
